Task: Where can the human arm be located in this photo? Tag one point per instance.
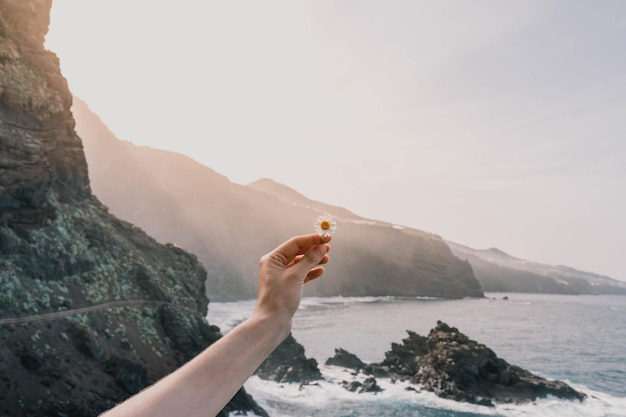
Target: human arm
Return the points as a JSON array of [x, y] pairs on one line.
[[204, 385]]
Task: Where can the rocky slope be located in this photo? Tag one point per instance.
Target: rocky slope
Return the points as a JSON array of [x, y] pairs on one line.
[[91, 308], [229, 226], [498, 271]]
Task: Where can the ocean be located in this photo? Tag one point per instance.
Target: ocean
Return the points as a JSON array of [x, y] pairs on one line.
[[580, 340]]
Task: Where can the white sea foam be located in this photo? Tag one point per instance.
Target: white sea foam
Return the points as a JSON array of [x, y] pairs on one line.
[[288, 400], [426, 298], [597, 404], [340, 300], [238, 414], [227, 315]]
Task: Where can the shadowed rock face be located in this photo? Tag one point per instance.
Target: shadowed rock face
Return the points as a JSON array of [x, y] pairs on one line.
[[498, 271], [345, 359], [39, 151], [455, 367], [288, 363], [61, 252]]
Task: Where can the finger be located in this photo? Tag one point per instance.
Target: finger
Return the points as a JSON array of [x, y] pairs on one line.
[[298, 245], [314, 274], [311, 259], [296, 260], [299, 257]]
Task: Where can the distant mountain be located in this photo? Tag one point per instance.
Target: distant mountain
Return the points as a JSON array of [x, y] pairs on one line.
[[498, 271], [229, 226]]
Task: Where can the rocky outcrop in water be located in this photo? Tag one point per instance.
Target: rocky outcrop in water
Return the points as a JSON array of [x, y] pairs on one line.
[[455, 367], [368, 385], [288, 363], [345, 359], [92, 309]]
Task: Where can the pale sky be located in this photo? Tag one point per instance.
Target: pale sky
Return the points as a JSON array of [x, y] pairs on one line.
[[491, 123]]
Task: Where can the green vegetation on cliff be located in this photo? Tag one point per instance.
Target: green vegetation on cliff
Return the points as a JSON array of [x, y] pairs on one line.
[[92, 309]]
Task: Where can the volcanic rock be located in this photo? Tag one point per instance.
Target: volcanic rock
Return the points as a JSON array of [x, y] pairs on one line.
[[92, 309], [288, 363], [345, 359], [368, 385], [455, 367]]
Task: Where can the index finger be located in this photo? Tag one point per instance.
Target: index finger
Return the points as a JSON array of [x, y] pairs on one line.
[[298, 245]]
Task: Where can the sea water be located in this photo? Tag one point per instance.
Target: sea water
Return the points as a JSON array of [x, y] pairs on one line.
[[577, 339]]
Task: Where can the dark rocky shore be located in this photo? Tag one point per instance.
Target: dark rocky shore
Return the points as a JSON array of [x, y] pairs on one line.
[[445, 362], [288, 363], [455, 367]]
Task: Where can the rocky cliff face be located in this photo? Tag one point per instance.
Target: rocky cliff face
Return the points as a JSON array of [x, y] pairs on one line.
[[499, 272], [39, 152], [229, 226], [92, 309]]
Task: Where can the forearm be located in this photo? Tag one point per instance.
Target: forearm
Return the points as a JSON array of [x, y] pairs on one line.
[[204, 385]]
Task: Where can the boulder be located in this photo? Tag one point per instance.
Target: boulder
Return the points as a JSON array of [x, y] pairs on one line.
[[455, 367], [288, 363], [346, 359], [368, 385]]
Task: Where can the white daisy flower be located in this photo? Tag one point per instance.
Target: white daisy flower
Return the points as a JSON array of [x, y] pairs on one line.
[[325, 225]]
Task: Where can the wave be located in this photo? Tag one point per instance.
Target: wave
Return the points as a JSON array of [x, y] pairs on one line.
[[328, 398], [313, 302], [228, 314], [309, 302], [597, 404], [341, 300]]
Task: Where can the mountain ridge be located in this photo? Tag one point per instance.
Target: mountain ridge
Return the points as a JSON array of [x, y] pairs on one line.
[[290, 195], [492, 272], [229, 226], [492, 254], [499, 271]]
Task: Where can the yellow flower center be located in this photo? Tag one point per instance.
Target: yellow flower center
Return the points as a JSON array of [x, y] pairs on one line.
[[325, 225]]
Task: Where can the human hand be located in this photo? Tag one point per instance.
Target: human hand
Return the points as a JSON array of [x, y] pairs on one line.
[[283, 273]]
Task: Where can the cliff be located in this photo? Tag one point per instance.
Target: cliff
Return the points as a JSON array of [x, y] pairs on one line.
[[498, 271], [228, 226], [92, 309]]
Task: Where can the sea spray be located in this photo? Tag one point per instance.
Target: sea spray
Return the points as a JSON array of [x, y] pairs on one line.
[[327, 398]]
